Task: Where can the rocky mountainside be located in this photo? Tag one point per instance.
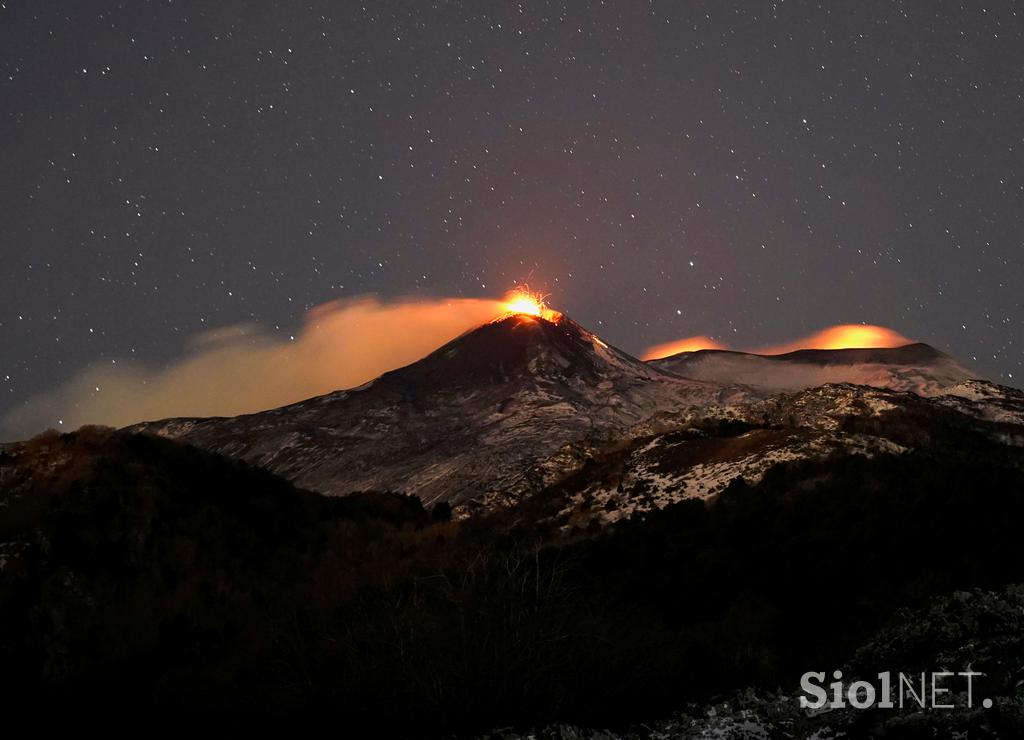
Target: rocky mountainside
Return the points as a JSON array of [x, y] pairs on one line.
[[699, 456], [524, 404], [198, 588], [641, 543], [506, 409]]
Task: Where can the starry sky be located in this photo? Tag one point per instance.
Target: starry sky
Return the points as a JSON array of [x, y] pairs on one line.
[[749, 171]]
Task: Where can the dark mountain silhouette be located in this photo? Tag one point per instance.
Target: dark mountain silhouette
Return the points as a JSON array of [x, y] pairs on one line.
[[150, 571], [196, 589]]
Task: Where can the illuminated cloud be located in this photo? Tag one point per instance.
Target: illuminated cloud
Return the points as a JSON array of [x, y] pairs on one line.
[[690, 344], [842, 336], [242, 369]]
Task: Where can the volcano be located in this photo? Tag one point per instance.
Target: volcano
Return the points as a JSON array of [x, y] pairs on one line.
[[569, 503], [505, 409], [918, 368], [524, 403]]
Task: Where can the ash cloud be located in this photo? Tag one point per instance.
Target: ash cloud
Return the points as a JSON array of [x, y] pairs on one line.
[[841, 336], [243, 368]]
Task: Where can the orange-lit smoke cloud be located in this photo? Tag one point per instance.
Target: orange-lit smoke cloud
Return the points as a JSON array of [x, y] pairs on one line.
[[690, 344], [843, 336], [241, 369]]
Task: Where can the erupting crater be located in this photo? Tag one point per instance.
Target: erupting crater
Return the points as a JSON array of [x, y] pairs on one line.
[[524, 302]]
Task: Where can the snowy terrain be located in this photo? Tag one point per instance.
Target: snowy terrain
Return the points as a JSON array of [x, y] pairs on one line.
[[915, 367], [522, 404]]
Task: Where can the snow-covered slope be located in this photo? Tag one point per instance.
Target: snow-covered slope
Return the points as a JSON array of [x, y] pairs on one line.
[[524, 405], [505, 409], [986, 400], [699, 455]]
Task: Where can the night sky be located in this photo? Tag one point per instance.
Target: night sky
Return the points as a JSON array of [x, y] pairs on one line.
[[749, 171]]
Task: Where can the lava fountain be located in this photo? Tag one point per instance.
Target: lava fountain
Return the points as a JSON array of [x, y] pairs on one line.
[[524, 302]]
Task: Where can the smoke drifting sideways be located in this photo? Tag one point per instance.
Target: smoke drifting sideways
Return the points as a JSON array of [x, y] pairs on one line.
[[243, 369]]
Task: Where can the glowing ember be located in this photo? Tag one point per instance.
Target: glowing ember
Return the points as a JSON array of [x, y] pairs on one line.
[[525, 302]]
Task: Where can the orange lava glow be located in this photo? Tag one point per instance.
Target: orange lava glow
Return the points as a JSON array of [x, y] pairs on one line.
[[523, 301], [690, 344], [843, 336]]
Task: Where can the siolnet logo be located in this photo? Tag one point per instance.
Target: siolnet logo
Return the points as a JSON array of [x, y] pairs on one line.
[[935, 690]]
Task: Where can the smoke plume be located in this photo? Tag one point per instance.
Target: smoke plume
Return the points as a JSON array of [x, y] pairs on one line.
[[690, 344], [242, 369]]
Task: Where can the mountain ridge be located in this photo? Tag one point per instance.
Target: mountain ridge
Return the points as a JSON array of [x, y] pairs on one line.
[[562, 491], [915, 367], [913, 351], [522, 402], [499, 411]]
